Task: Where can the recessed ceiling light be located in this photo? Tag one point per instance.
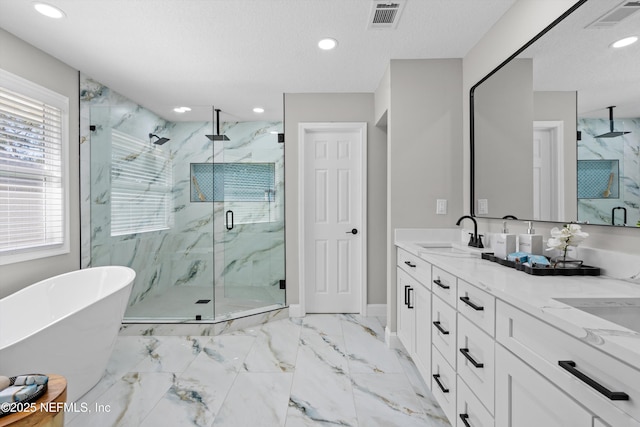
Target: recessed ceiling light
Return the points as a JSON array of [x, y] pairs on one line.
[[625, 42], [49, 10], [258, 110], [274, 132], [327, 44], [181, 109]]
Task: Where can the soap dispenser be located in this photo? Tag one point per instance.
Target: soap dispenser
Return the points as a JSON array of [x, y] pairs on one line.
[[531, 242], [504, 243]]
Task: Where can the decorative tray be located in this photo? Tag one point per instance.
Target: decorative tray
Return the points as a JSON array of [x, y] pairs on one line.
[[11, 407], [583, 270]]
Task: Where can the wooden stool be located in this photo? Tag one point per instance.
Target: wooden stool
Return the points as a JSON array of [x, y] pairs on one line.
[[54, 417]]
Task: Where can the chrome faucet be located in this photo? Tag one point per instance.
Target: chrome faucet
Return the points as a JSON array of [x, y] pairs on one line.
[[475, 241]]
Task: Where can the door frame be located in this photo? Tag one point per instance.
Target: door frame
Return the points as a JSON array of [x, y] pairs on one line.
[[305, 128]]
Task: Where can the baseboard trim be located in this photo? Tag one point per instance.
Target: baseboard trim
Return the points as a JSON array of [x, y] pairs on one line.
[[376, 310], [295, 310], [373, 310], [391, 339]]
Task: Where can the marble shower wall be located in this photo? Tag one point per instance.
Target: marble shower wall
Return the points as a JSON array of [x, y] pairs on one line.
[[625, 149], [251, 255]]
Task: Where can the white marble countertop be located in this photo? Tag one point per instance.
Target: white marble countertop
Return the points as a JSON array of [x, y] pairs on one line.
[[537, 295]]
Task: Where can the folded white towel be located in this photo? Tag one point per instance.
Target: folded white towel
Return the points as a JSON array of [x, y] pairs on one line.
[[31, 379], [17, 393], [41, 379], [24, 380]]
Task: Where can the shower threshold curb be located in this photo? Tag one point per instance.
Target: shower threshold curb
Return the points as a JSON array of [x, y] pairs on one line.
[[208, 327]]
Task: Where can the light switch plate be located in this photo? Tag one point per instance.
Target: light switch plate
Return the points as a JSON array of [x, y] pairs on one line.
[[483, 206], [441, 206]]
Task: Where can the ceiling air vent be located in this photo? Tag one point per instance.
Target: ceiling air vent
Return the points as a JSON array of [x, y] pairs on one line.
[[385, 14], [616, 15]]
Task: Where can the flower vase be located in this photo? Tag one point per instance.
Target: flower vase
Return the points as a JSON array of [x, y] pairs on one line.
[[563, 261]]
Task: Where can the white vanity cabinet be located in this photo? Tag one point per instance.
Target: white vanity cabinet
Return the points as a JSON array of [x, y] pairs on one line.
[[471, 412], [476, 366], [406, 323], [552, 364], [524, 398], [414, 308], [443, 384], [444, 331], [495, 360], [422, 355]]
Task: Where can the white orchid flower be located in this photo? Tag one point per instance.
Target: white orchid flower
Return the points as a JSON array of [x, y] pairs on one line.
[[569, 235]]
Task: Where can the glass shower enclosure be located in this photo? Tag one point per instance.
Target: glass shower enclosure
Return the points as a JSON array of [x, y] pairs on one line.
[[195, 208]]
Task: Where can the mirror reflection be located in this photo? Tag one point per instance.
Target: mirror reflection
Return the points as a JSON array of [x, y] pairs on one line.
[[556, 130]]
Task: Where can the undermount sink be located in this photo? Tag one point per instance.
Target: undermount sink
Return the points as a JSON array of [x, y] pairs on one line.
[[450, 249], [621, 311]]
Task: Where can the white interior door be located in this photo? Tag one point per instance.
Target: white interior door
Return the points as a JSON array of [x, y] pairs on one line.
[[548, 170], [333, 217], [542, 174]]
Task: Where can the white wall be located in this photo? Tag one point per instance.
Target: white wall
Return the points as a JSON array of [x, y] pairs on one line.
[[503, 126], [337, 107], [424, 152], [520, 24], [24, 60]]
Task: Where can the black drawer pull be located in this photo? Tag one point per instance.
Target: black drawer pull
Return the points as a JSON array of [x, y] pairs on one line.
[[409, 299], [436, 377], [470, 304], [442, 285], [440, 328], [406, 294], [465, 353], [570, 366], [409, 264], [464, 418]]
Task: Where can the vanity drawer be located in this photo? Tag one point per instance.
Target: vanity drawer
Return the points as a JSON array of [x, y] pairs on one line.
[[476, 364], [470, 408], [443, 384], [444, 285], [477, 306], [443, 332], [543, 346], [415, 266]]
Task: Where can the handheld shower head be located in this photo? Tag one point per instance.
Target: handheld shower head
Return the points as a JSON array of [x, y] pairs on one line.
[[159, 141]]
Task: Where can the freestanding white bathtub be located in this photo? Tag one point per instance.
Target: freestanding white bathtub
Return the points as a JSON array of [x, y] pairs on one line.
[[65, 325]]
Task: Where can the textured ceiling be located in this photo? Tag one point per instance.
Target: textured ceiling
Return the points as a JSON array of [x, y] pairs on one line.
[[238, 54], [571, 57]]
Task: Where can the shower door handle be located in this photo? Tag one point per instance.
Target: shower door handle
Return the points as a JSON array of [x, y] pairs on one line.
[[228, 225]]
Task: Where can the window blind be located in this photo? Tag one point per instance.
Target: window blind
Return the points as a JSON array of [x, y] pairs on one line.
[[140, 186], [32, 205]]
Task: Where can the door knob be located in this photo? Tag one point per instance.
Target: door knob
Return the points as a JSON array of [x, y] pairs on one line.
[[354, 231]]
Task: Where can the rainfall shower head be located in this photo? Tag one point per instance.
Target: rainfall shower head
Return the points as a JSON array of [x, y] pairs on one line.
[[612, 133], [159, 141], [218, 137]]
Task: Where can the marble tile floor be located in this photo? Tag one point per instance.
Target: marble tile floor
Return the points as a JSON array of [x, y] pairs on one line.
[[320, 370]]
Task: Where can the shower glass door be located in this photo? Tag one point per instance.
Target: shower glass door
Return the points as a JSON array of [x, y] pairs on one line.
[[143, 213], [249, 244], [200, 219]]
